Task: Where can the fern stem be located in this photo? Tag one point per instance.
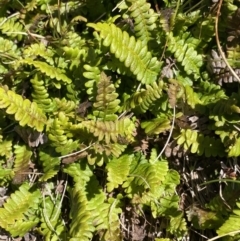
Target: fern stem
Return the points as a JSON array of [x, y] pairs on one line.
[[218, 42], [77, 152], [60, 204], [11, 16], [223, 235], [170, 134]]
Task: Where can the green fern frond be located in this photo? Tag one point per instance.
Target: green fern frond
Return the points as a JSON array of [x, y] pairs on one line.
[[26, 112], [191, 97], [178, 225], [11, 27], [6, 148], [133, 53], [144, 19], [52, 226], [113, 231], [200, 144], [143, 100], [93, 74], [39, 49], [66, 106], [80, 172], [81, 227], [51, 71], [8, 50], [40, 94], [117, 171], [145, 176], [50, 165], [185, 54], [156, 126], [22, 158], [111, 130], [212, 93], [106, 103], [58, 135], [17, 210]]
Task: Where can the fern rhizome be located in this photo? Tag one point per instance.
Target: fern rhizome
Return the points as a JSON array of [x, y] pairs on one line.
[[119, 120]]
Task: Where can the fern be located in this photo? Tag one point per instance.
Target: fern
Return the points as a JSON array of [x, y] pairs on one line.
[[144, 99], [144, 19], [50, 165], [81, 227], [117, 171], [17, 216], [111, 130], [52, 226], [200, 144], [93, 74], [156, 126], [58, 136], [106, 103], [26, 113], [52, 72], [133, 53], [185, 54], [35, 50], [66, 106], [40, 94], [11, 27], [6, 148], [22, 159]]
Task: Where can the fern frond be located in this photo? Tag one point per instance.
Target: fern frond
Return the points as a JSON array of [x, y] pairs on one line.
[[106, 103], [40, 94], [52, 226], [22, 158], [81, 227], [144, 19], [17, 210], [185, 54], [6, 148], [66, 106], [93, 74], [191, 97], [142, 101], [11, 27], [145, 176], [111, 130], [113, 231], [200, 144], [8, 49], [133, 53], [156, 126], [51, 71], [50, 165], [26, 112], [39, 49], [57, 134], [117, 171]]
